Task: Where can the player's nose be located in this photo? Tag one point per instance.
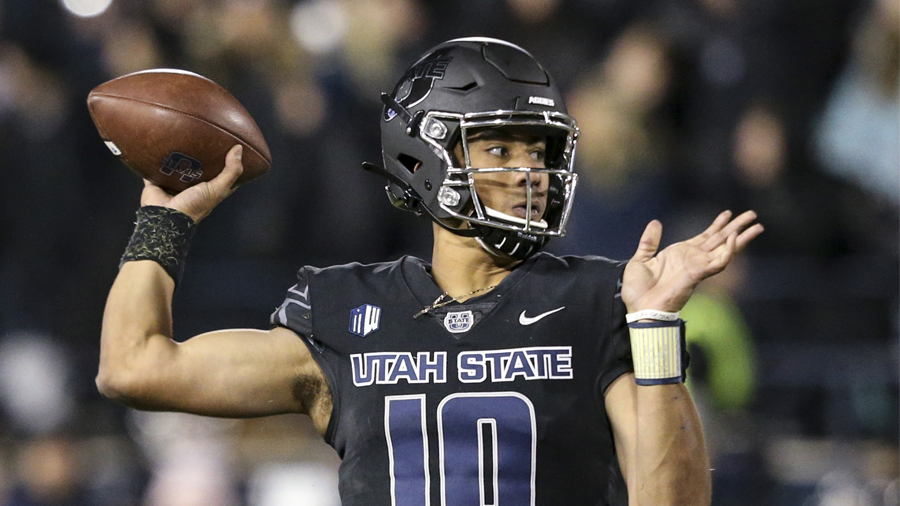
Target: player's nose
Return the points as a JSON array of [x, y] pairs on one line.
[[537, 179]]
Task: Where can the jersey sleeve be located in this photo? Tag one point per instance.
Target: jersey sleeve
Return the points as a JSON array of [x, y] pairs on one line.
[[295, 312], [616, 352]]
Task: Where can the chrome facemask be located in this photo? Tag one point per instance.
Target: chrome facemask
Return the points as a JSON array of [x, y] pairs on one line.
[[457, 195]]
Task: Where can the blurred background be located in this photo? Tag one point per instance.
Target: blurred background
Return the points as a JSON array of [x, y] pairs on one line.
[[687, 107]]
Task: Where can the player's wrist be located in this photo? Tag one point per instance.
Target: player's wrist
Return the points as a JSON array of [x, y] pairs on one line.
[[195, 215], [163, 209], [659, 304], [668, 298], [649, 315], [659, 351], [163, 235]]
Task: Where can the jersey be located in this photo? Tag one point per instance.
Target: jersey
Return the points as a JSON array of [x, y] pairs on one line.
[[497, 400]]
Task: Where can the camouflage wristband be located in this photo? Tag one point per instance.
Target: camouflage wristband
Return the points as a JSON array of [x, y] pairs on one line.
[[162, 235]]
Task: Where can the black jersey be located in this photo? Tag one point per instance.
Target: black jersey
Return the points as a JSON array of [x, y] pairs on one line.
[[498, 400]]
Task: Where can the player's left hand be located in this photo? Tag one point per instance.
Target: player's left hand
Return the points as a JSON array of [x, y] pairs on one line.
[[666, 281]]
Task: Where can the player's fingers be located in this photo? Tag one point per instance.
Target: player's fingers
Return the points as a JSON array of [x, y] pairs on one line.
[[748, 235], [222, 183], [649, 242], [151, 184], [734, 226], [713, 228], [153, 195], [730, 249], [739, 223], [723, 256]]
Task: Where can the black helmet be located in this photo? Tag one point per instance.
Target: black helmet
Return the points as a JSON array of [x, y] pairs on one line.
[[467, 84]]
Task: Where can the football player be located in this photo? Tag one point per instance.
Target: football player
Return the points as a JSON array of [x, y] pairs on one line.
[[493, 374]]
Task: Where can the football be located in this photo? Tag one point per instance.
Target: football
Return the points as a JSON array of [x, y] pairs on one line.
[[175, 127]]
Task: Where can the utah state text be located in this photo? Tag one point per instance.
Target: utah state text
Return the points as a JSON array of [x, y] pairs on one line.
[[389, 368]]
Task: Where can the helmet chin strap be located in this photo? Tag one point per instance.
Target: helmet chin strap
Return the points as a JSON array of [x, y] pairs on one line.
[[509, 244]]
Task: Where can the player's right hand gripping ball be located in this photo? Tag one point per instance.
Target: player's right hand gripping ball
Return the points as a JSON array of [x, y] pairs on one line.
[[175, 127]]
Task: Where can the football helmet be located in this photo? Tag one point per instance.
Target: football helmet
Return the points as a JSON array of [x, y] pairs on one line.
[[455, 89]]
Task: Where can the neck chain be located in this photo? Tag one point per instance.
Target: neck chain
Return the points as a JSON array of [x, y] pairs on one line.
[[440, 302]]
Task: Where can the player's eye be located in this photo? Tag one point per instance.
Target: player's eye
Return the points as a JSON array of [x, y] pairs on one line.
[[500, 151], [538, 155]]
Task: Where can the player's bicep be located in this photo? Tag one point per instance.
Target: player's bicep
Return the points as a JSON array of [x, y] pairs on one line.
[[620, 400], [234, 373]]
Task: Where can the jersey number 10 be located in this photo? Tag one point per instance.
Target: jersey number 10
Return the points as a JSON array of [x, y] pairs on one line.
[[487, 443]]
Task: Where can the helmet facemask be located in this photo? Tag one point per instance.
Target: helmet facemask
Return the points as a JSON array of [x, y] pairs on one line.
[[500, 233]]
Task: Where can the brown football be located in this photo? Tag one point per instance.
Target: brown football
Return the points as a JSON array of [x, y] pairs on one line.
[[175, 127]]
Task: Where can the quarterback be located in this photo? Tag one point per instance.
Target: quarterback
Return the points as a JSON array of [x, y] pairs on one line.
[[495, 374]]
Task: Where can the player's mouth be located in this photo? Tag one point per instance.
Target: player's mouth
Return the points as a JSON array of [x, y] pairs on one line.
[[537, 209]]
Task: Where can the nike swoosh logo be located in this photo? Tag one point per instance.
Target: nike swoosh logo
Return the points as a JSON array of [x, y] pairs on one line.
[[524, 320]]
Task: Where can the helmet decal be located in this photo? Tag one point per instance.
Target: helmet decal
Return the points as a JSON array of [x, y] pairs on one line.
[[417, 82], [549, 102]]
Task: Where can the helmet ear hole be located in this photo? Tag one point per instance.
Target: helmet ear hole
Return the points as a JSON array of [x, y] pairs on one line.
[[409, 163], [556, 149]]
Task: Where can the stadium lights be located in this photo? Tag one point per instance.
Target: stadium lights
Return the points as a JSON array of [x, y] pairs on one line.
[[86, 8]]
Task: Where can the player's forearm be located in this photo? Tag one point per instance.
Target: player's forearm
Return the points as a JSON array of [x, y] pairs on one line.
[[137, 325], [672, 465]]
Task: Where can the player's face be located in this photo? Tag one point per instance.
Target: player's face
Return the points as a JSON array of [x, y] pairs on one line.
[[507, 191]]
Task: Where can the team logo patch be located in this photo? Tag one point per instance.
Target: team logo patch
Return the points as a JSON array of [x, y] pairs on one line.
[[416, 84], [190, 168], [459, 321], [365, 319]]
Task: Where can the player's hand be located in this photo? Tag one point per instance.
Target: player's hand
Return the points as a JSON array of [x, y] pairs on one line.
[[199, 200], [667, 280]]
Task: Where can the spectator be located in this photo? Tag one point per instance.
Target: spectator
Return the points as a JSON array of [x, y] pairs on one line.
[[858, 138]]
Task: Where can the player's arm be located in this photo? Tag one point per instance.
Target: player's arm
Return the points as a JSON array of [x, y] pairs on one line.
[[659, 443], [234, 373], [657, 432]]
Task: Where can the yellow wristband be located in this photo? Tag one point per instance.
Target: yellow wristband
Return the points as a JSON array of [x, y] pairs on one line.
[[657, 350]]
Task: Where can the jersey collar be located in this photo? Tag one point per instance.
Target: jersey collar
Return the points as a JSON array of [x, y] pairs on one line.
[[417, 275]]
